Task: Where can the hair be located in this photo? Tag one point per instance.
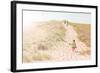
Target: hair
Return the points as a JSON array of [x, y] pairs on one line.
[[74, 40]]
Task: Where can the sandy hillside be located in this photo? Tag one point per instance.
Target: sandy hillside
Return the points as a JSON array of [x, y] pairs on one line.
[[52, 41]]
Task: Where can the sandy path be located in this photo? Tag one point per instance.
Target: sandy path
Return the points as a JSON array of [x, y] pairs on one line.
[[65, 52], [71, 35]]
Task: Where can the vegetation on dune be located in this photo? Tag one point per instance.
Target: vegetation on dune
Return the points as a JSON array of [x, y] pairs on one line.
[[55, 33], [36, 56], [50, 35], [39, 56], [84, 32]]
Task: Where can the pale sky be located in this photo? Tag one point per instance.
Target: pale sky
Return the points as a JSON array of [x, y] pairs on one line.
[[32, 16]]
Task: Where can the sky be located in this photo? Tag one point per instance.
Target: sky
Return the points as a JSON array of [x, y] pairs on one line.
[[34, 16]]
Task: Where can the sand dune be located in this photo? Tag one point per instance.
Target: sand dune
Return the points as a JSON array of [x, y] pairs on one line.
[[51, 41]]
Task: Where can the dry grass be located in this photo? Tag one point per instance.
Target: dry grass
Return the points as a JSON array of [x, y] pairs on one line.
[[84, 32]]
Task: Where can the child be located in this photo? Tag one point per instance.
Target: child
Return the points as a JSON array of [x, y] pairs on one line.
[[74, 45], [65, 22]]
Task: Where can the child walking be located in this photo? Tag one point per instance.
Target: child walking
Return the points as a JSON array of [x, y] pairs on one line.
[[74, 45]]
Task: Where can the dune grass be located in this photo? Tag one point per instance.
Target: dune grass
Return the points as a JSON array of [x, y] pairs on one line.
[[84, 32]]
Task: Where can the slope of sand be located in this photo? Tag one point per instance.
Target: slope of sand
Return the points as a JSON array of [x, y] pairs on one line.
[[51, 41]]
